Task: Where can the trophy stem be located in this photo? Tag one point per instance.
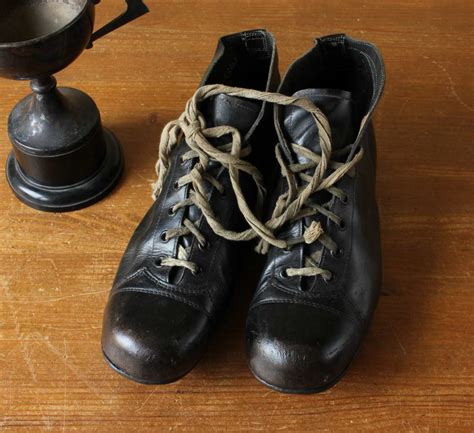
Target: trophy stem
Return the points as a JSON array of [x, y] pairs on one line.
[[43, 85]]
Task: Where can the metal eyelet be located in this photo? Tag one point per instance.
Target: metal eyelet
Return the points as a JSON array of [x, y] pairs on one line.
[[329, 278], [176, 186], [204, 247], [283, 274], [171, 212], [342, 225], [338, 253], [345, 200], [163, 236], [198, 271], [157, 261]]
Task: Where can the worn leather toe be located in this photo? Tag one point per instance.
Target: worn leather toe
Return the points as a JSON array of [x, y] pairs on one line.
[[151, 338], [299, 348]]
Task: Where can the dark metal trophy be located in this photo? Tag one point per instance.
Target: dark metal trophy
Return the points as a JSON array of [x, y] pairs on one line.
[[62, 159]]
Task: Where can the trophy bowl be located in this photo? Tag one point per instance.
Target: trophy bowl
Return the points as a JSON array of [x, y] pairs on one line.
[[62, 158]]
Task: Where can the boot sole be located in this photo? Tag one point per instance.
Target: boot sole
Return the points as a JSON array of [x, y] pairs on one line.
[[141, 380]]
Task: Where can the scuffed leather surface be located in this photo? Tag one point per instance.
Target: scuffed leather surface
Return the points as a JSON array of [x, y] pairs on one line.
[[171, 343]]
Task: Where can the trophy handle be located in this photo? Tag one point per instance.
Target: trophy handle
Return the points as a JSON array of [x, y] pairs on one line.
[[135, 9]]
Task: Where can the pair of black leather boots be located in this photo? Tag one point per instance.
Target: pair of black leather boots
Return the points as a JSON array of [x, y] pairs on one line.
[[318, 225]]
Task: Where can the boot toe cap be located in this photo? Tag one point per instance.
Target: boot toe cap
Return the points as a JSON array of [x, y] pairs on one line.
[[151, 338], [298, 348]]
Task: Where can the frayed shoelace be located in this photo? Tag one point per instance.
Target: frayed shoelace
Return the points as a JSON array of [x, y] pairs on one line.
[[292, 205]]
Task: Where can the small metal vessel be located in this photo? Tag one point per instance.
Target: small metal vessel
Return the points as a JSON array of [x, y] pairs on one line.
[[62, 158]]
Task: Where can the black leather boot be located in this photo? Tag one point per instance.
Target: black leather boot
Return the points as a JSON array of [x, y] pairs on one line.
[[316, 298], [176, 273]]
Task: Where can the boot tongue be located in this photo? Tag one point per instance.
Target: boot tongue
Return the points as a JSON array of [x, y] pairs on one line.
[[222, 110], [300, 128], [225, 110], [337, 106]]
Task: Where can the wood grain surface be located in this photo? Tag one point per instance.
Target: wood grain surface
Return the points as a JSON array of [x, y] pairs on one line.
[[415, 372]]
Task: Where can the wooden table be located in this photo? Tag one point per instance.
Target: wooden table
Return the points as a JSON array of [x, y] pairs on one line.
[[416, 370]]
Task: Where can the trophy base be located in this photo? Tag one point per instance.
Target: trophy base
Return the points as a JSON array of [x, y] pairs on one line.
[[69, 197]]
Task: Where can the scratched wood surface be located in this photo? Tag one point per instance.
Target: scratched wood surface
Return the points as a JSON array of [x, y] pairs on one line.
[[416, 369]]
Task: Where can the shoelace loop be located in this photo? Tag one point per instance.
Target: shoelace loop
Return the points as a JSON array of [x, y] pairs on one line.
[[191, 126], [296, 204]]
